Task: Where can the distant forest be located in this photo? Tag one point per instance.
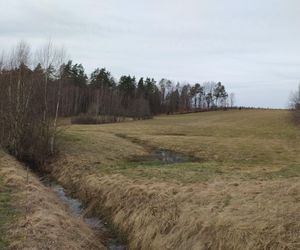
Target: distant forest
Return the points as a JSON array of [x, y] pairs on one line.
[[38, 88], [102, 94]]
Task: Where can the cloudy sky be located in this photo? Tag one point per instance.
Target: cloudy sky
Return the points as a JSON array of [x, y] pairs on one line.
[[253, 47]]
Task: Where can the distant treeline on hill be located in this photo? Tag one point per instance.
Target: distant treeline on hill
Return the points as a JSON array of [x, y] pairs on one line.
[[101, 94]]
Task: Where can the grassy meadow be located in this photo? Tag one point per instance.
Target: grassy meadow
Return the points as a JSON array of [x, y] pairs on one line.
[[240, 191], [259, 144]]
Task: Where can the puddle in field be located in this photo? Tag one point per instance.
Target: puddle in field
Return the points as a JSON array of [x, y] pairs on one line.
[[169, 157], [163, 156], [76, 207]]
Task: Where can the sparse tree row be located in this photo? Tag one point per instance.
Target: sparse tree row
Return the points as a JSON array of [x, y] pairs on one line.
[[38, 88], [29, 102]]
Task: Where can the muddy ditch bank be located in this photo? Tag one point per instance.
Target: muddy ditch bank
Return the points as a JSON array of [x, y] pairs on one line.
[[101, 228], [83, 207], [41, 221]]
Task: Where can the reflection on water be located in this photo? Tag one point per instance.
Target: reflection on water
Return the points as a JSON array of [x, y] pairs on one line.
[[163, 156], [167, 156]]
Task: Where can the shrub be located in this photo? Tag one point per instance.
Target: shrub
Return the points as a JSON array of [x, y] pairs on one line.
[[92, 119]]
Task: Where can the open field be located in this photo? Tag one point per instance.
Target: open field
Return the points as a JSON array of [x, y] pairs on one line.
[[241, 192], [244, 144]]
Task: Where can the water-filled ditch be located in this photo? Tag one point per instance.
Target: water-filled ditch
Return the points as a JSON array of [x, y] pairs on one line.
[[100, 227]]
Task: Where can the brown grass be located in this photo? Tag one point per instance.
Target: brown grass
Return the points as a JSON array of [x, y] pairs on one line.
[[42, 222], [243, 194], [251, 144], [216, 215]]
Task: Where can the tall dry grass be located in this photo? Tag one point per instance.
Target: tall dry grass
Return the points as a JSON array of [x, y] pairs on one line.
[[217, 215]]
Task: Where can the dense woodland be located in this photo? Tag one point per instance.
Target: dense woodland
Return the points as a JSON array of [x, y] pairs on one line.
[[38, 88]]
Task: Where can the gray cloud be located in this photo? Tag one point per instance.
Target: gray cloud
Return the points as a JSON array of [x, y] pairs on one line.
[[251, 46]]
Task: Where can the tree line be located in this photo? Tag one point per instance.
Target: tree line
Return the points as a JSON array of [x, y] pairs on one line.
[[36, 88], [102, 94]]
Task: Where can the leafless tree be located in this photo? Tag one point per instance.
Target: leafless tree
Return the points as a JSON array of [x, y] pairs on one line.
[[27, 117], [232, 99], [295, 105]]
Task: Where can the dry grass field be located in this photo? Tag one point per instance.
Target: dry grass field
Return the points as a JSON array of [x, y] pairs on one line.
[[240, 190], [252, 144]]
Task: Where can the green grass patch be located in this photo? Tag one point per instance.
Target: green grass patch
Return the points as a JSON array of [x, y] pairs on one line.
[[287, 172], [188, 172], [7, 214]]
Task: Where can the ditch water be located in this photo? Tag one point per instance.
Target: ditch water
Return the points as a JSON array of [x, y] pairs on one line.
[[100, 227]]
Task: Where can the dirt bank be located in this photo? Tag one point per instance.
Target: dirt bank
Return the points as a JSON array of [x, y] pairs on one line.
[[42, 222]]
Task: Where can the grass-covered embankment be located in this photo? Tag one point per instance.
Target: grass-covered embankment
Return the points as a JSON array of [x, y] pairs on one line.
[[242, 193], [31, 216]]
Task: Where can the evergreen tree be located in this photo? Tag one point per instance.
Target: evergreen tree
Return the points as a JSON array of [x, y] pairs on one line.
[[101, 78], [141, 87]]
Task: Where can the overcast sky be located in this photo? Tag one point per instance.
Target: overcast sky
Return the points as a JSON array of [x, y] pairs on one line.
[[252, 46]]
